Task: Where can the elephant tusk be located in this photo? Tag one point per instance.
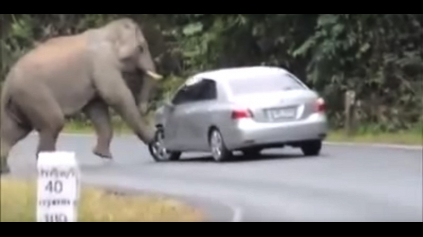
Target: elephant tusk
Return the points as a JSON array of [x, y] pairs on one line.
[[154, 75]]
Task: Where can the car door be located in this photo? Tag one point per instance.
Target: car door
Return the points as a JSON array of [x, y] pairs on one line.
[[198, 114], [184, 113], [181, 109], [173, 113]]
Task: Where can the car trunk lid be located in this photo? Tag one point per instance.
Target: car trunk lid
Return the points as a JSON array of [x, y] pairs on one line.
[[280, 106]]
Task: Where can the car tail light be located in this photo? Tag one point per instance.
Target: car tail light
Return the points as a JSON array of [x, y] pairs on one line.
[[241, 113], [320, 105]]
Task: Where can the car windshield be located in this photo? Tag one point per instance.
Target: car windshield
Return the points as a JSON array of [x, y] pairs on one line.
[[265, 84]]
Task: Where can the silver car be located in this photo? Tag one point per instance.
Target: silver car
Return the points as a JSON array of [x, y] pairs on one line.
[[240, 109]]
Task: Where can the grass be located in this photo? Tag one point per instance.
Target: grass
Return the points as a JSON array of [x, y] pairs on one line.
[[402, 138], [411, 137], [18, 204]]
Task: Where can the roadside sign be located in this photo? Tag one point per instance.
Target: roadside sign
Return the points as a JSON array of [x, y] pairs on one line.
[[58, 187]]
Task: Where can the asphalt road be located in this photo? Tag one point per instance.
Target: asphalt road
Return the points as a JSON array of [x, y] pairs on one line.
[[345, 183]]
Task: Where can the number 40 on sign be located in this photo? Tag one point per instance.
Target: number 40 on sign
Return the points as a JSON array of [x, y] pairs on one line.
[[54, 186]]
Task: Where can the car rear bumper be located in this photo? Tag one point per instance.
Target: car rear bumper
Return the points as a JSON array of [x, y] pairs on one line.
[[248, 133]]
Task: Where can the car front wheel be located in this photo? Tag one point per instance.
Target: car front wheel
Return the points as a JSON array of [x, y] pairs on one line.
[[159, 152]]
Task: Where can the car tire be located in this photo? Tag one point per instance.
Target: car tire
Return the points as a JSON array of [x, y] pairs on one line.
[[218, 148], [156, 146], [311, 148]]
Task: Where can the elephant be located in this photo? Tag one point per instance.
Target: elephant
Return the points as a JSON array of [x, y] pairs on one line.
[[83, 72], [97, 110]]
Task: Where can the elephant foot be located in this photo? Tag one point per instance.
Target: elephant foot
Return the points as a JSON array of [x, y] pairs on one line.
[[150, 137], [105, 154]]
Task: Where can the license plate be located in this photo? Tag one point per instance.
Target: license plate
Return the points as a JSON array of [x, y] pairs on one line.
[[282, 113]]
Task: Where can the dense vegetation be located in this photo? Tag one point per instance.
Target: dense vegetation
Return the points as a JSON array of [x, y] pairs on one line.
[[380, 56]]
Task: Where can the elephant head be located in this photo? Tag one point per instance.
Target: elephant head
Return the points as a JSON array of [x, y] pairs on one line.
[[134, 57]]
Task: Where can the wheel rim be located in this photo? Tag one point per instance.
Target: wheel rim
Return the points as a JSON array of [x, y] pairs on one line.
[[216, 145], [158, 148]]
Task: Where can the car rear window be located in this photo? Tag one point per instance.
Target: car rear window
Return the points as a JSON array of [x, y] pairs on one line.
[[264, 84]]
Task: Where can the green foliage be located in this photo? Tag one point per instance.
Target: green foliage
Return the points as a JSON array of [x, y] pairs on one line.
[[380, 56]]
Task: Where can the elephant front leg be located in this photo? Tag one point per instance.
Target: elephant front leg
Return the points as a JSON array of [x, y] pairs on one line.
[[113, 90], [97, 111]]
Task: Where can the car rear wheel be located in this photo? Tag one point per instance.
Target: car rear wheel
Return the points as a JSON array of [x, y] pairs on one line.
[[217, 146], [159, 152], [311, 148]]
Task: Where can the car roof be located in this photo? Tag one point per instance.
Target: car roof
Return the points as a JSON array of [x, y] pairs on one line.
[[240, 72]]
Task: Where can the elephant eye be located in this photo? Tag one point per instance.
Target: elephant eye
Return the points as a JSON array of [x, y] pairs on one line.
[[141, 49]]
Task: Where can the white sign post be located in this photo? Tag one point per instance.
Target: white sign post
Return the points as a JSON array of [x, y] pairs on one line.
[[58, 187]]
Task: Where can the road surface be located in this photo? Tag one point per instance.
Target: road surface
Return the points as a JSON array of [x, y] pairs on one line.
[[345, 183]]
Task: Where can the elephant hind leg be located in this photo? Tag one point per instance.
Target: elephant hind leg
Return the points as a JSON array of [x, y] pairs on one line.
[[11, 132], [45, 115]]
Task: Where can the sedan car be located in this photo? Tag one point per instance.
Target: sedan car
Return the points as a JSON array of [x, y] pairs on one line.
[[240, 109]]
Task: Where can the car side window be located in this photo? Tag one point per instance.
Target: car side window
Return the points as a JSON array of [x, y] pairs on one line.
[[180, 97], [194, 92], [185, 95], [203, 90], [207, 90]]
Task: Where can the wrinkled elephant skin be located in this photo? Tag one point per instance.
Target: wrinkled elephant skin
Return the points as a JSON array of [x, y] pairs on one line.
[[70, 74]]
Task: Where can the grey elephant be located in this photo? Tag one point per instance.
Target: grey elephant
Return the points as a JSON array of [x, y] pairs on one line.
[[70, 74]]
